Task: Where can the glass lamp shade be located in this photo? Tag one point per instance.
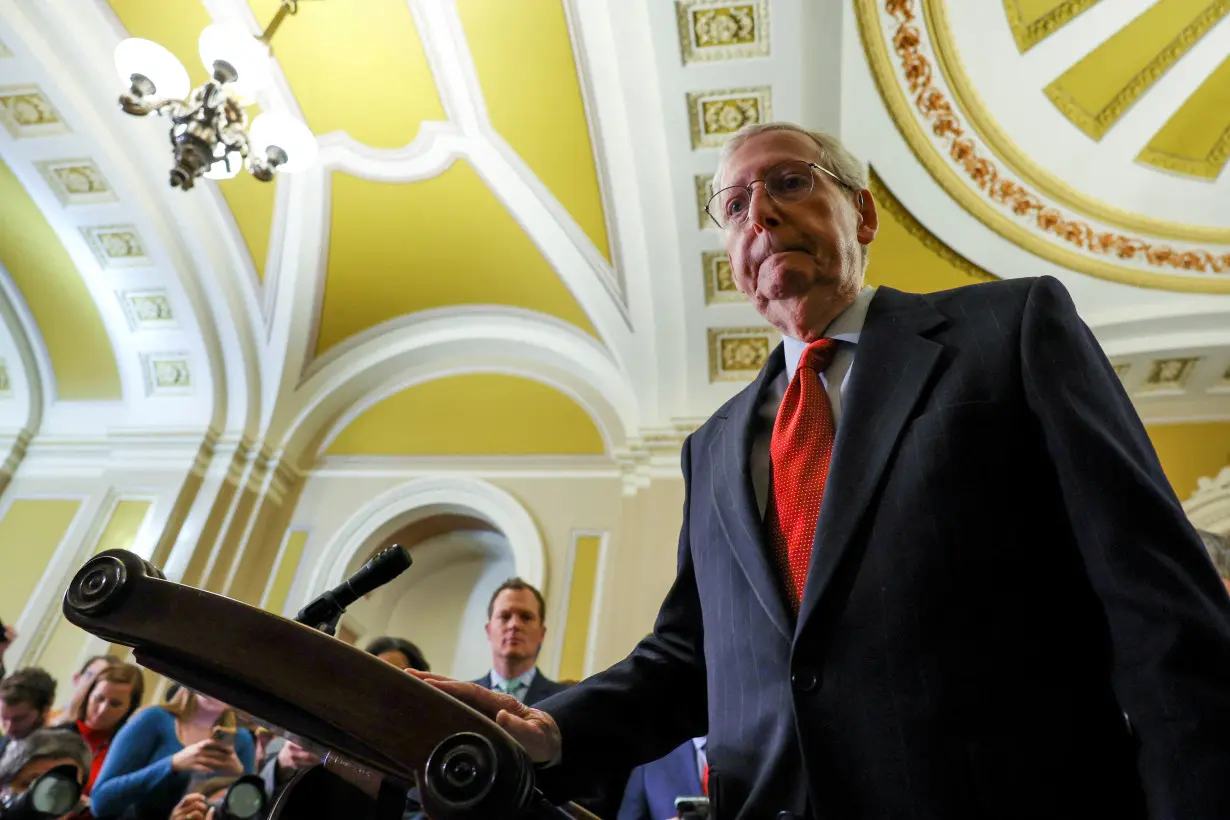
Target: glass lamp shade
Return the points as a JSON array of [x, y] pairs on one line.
[[247, 55], [287, 133], [145, 57]]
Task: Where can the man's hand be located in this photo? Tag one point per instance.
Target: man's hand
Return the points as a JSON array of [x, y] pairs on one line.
[[534, 729], [192, 807], [293, 757]]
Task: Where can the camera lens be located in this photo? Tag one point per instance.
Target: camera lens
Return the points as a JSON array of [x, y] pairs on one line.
[[54, 793], [243, 801]]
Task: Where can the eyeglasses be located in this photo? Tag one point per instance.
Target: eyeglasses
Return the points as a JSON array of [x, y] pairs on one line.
[[791, 181]]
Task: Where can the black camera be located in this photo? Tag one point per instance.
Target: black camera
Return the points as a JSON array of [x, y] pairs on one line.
[[54, 793], [244, 800], [692, 808]]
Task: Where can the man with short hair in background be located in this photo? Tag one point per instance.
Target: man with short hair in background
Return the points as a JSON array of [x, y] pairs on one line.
[[39, 752], [516, 628], [25, 699]]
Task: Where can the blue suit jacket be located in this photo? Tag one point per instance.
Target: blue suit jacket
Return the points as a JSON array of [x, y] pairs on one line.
[[541, 687], [653, 787], [1000, 571]]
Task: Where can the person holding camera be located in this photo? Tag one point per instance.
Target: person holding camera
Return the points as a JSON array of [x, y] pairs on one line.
[[35, 756]]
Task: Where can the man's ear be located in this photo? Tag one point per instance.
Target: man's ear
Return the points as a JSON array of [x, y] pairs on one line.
[[868, 216]]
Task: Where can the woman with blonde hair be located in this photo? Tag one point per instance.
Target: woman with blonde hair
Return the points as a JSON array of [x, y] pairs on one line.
[[155, 756], [98, 711]]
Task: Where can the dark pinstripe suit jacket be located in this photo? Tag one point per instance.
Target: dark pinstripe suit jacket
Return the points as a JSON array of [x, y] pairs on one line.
[[1000, 572]]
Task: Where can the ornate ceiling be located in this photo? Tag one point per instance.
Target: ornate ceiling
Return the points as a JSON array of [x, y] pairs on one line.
[[510, 194]]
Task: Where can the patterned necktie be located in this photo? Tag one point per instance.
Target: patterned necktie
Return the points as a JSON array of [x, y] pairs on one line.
[[800, 450], [512, 687]]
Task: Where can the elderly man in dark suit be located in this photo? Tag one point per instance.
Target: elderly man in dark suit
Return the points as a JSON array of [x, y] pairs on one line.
[[929, 561]]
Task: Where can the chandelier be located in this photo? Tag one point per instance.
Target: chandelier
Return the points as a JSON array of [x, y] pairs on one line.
[[210, 133]]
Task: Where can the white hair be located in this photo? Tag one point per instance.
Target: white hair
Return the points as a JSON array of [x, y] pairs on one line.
[[834, 157]]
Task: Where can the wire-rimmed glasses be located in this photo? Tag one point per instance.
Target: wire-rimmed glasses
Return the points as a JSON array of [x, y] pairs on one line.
[[790, 181]]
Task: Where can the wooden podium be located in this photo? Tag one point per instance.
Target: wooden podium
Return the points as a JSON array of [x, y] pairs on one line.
[[379, 730]]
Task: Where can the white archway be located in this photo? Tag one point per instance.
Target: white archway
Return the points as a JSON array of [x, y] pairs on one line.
[[423, 498]]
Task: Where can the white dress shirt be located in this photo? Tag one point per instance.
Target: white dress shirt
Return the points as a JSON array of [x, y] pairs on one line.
[[846, 328]]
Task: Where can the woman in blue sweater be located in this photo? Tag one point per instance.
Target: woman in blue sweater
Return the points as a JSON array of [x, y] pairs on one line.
[[153, 759]]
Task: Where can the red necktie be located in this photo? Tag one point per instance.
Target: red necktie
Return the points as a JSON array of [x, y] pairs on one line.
[[800, 450], [704, 780]]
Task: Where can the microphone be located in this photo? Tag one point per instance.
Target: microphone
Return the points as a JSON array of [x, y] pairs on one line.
[[324, 612]]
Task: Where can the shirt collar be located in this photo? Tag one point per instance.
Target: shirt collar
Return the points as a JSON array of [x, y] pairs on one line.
[[846, 327], [526, 678]]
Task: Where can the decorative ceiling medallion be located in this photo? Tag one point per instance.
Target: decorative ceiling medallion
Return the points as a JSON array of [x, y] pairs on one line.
[[6, 384], [919, 101], [1169, 376], [26, 112], [1121, 370], [704, 191], [1033, 24], [937, 38], [166, 374], [738, 353], [76, 181], [719, 283], [711, 30], [716, 115], [116, 246], [148, 310]]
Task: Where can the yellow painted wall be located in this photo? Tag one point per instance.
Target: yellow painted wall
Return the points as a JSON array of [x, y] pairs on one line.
[[72, 329], [285, 572], [30, 532], [61, 654], [907, 257], [177, 25], [1191, 451], [395, 249], [473, 414], [523, 56], [582, 586]]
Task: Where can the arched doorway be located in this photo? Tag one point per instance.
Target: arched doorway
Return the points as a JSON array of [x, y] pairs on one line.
[[440, 603]]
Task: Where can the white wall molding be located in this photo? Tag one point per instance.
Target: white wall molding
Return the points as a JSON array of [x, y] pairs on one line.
[[1209, 507], [418, 499]]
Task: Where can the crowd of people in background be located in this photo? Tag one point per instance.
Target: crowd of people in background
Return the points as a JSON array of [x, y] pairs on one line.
[[173, 759]]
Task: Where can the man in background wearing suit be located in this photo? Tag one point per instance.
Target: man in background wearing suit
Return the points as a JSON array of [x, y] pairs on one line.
[[654, 787], [929, 560], [516, 627]]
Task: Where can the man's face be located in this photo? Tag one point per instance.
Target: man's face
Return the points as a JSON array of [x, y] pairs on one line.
[[800, 263], [515, 630], [19, 719]]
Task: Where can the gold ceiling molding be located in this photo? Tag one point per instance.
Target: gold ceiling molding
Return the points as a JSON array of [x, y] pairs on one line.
[[738, 353], [722, 30], [148, 309], [166, 374], [716, 115], [1170, 375], [76, 181], [1095, 92], [999, 202], [885, 199], [719, 280], [1196, 140], [1032, 21], [26, 112], [116, 246], [988, 130], [703, 185]]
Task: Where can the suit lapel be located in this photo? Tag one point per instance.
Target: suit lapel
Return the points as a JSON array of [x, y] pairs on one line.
[[685, 774], [734, 497], [891, 369]]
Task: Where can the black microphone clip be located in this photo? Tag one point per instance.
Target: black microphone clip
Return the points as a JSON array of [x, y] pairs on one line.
[[326, 610]]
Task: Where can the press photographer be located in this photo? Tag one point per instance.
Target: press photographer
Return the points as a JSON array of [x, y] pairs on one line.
[[33, 781]]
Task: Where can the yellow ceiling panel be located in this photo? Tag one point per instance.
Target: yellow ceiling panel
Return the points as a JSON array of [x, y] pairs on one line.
[[1191, 451], [357, 67], [76, 339], [523, 54], [395, 249], [906, 256], [1196, 140], [1032, 21], [177, 26], [472, 414]]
